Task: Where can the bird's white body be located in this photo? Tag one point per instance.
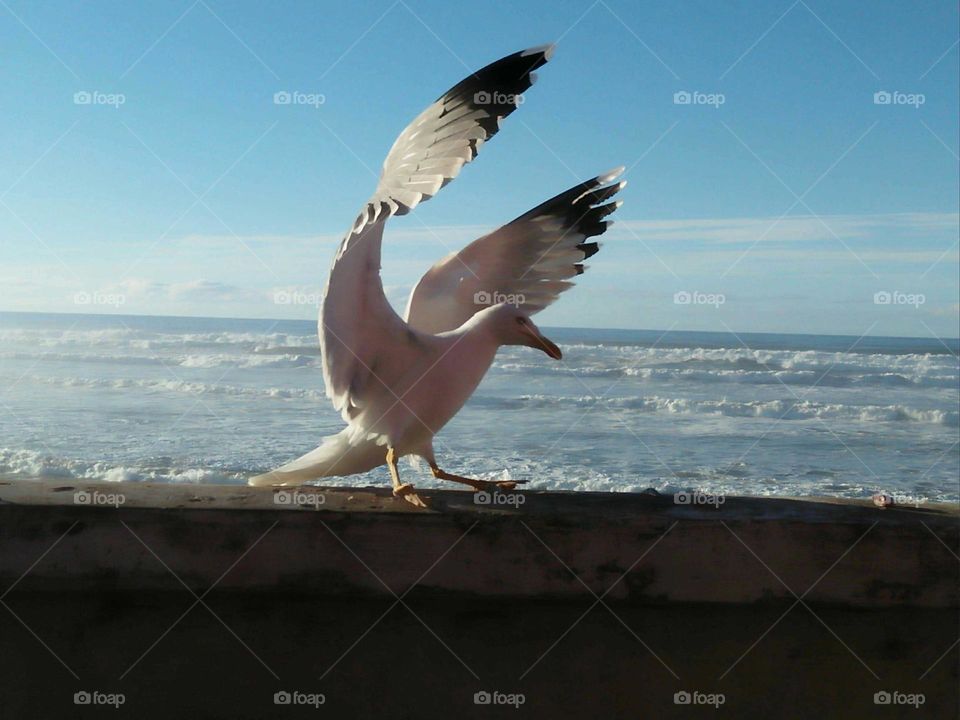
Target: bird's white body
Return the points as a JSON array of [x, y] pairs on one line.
[[397, 381], [415, 404]]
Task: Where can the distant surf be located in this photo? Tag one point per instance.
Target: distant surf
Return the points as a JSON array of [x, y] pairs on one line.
[[214, 400]]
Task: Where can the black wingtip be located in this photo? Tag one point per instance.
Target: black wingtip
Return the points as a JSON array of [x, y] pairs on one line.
[[589, 249], [508, 76], [545, 50], [497, 89]]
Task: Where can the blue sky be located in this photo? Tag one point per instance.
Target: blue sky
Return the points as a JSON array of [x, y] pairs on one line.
[[182, 188]]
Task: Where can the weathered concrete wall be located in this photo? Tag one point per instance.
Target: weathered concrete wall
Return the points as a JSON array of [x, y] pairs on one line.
[[371, 661], [365, 542], [205, 601]]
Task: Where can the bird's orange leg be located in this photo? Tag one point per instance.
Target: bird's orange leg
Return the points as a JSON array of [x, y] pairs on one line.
[[404, 490], [487, 485]]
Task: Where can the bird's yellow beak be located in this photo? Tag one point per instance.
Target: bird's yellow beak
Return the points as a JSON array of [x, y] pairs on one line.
[[539, 342]]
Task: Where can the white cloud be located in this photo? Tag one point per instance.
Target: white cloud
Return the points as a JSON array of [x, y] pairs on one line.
[[946, 310], [797, 268], [792, 228], [206, 290]]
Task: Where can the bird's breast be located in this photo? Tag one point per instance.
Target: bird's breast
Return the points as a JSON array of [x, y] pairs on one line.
[[446, 387]]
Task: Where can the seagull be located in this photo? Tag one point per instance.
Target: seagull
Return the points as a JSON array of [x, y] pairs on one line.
[[397, 381]]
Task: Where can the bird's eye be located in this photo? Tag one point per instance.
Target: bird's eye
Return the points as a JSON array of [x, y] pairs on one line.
[[521, 321]]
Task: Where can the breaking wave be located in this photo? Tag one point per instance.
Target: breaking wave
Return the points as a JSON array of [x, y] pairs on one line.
[[776, 409], [34, 465], [180, 386]]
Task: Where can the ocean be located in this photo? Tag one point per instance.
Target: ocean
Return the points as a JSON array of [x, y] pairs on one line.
[[209, 400]]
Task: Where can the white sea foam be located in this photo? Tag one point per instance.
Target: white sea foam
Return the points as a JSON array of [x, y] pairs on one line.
[[248, 361], [30, 464], [749, 367], [204, 360], [115, 404], [178, 386], [777, 409], [129, 338]]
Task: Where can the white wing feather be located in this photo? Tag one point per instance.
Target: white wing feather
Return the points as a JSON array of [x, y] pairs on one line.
[[530, 260], [364, 344]]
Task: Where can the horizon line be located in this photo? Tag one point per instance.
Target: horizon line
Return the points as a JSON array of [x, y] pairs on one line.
[[955, 340]]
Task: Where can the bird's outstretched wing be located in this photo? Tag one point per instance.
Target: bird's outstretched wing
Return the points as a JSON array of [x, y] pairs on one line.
[[449, 134], [363, 342], [528, 261]]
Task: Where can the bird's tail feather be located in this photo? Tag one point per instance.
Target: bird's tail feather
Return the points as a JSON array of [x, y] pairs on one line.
[[335, 456]]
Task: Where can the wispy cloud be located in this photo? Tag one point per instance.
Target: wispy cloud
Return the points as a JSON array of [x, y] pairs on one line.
[[798, 264], [793, 228]]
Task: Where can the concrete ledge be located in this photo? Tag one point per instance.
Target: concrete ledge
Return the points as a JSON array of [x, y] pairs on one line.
[[206, 601], [363, 542]]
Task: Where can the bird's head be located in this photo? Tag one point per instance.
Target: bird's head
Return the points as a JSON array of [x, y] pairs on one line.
[[511, 326]]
